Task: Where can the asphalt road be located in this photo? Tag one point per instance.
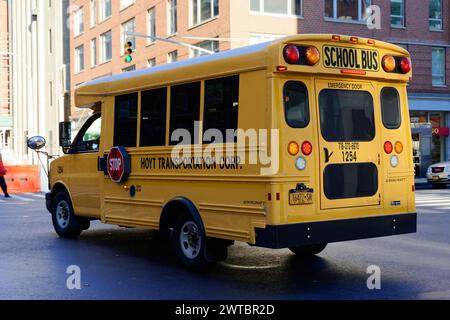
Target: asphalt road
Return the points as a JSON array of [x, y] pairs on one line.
[[120, 263]]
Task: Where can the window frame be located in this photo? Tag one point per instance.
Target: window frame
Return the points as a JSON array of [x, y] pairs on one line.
[[124, 4], [135, 144], [103, 7], [102, 47], [443, 74], [308, 111], [166, 114], [289, 13], [81, 134], [398, 107], [335, 17], [94, 51], [402, 17], [151, 24], [199, 21], [441, 20], [94, 13], [125, 38], [78, 22], [172, 17], [79, 59]]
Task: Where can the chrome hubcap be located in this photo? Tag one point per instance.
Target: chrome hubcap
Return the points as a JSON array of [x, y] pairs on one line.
[[63, 214], [190, 240]]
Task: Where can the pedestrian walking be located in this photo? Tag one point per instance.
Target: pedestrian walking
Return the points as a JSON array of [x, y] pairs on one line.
[[2, 178]]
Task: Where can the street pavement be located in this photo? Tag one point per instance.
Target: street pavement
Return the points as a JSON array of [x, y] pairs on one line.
[[118, 263]]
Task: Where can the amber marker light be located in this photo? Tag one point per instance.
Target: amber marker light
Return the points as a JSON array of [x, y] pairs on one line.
[[354, 40], [293, 148], [336, 38], [398, 147], [371, 42], [389, 63], [312, 56]]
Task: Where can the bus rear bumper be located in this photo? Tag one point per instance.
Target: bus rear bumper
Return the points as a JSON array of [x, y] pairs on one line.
[[295, 235]]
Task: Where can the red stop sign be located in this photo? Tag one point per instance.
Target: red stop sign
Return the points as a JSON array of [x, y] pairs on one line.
[[118, 164]]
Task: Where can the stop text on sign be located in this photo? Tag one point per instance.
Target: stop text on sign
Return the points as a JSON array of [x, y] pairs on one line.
[[118, 164]]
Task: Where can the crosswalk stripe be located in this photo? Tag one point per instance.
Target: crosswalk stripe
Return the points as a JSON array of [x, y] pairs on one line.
[[433, 201], [22, 198], [37, 195]]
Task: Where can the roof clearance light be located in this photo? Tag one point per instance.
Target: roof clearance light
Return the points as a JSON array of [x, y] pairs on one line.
[[398, 147], [389, 63], [307, 148], [354, 40], [312, 56], [388, 147], [371, 42], [336, 38], [291, 54], [405, 65], [293, 148]]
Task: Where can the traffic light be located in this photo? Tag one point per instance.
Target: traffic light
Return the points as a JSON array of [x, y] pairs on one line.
[[129, 52]]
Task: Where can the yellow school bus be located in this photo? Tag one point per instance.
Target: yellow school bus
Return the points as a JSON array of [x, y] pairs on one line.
[[294, 143]]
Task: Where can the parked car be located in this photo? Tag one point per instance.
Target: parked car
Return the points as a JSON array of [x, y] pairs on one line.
[[438, 174]]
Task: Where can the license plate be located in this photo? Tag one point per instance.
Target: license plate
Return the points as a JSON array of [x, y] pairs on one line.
[[435, 178], [300, 197]]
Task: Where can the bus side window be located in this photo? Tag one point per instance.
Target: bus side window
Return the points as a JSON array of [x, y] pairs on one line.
[[221, 106], [153, 117], [296, 105], [390, 108], [125, 120], [184, 110], [88, 139]]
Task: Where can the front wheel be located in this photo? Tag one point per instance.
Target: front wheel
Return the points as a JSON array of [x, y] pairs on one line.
[[66, 223], [308, 251]]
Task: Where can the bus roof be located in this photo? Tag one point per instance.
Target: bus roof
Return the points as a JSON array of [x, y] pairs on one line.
[[252, 57]]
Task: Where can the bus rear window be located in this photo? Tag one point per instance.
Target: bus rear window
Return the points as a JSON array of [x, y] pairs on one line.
[[346, 116], [355, 180], [390, 108], [296, 107]]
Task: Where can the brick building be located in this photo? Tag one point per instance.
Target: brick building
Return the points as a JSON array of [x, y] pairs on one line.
[[423, 27]]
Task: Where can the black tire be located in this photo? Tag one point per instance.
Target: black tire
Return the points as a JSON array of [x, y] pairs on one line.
[[193, 248], [308, 251], [67, 225]]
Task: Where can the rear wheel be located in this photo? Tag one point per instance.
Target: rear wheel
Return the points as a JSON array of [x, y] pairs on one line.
[[66, 224], [309, 250], [193, 248]]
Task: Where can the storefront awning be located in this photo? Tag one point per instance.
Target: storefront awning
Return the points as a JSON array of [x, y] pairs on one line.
[[429, 102]]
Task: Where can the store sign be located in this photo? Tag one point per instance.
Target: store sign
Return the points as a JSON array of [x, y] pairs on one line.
[[442, 132]]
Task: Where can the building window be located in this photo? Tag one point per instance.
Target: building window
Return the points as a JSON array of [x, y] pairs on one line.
[[172, 56], [93, 13], [126, 3], [105, 9], [202, 10], [184, 110], [128, 29], [438, 66], [151, 25], [125, 120], [78, 22], [283, 7], [172, 17], [106, 46], [435, 15], [79, 59], [153, 117], [128, 69], [347, 10], [221, 106], [152, 62], [93, 52], [398, 13], [212, 46]]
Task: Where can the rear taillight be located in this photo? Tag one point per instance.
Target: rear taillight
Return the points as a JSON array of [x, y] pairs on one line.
[[307, 148], [389, 63], [312, 56], [388, 147], [405, 65], [398, 147], [291, 54], [293, 148]]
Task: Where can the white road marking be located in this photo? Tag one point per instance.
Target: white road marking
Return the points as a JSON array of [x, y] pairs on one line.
[[16, 197], [37, 195]]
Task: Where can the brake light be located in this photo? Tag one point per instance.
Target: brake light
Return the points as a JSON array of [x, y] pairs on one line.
[[291, 54], [389, 63], [293, 148], [312, 56], [398, 147], [405, 65], [307, 148], [388, 147]]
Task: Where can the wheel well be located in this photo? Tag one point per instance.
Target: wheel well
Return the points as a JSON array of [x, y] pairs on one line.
[[57, 188], [173, 209]]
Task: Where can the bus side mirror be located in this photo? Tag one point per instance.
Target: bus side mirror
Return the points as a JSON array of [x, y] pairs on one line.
[[65, 135], [36, 143]]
